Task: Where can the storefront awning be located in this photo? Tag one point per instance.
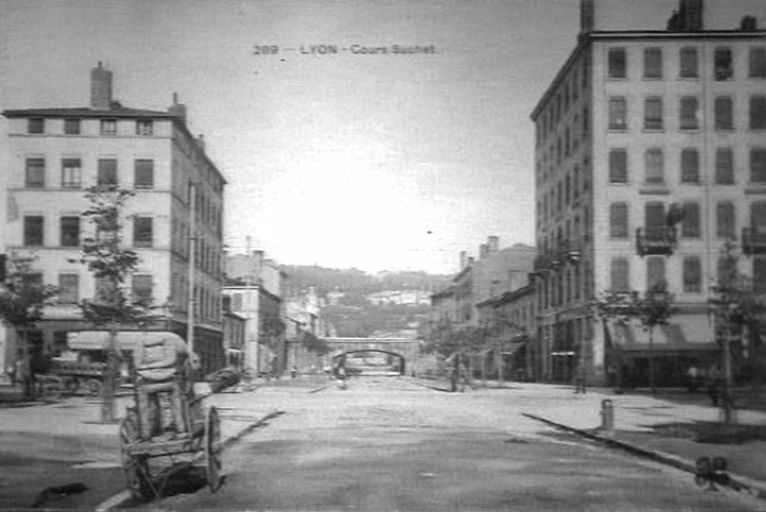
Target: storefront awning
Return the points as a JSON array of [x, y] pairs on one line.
[[684, 333], [97, 340]]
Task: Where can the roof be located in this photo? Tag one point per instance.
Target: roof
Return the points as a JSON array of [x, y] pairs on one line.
[[87, 112]]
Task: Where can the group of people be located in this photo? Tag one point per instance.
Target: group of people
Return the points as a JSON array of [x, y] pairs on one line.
[[25, 371]]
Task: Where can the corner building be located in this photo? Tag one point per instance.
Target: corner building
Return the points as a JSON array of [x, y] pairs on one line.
[[650, 155], [56, 153]]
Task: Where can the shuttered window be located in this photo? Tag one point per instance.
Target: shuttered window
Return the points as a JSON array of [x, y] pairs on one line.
[[690, 165], [725, 220], [690, 225], [618, 165], [654, 220], [692, 274], [654, 166], [618, 220], [655, 272], [620, 275], [724, 166]]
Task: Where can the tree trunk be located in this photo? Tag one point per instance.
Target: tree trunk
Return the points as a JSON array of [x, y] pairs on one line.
[[111, 376]]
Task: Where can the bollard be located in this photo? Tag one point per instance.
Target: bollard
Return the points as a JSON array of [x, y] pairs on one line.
[[607, 416]]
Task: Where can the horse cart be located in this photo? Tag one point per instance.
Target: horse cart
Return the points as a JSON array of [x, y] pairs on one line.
[[167, 426], [79, 377]]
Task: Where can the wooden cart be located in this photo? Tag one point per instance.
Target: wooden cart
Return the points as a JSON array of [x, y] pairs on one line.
[[199, 438]]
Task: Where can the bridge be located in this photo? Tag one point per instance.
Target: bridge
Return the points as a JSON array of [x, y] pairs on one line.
[[406, 349]]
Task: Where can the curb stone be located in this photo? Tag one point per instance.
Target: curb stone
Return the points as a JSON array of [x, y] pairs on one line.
[[738, 483]]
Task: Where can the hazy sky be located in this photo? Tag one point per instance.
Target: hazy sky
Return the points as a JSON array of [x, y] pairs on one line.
[[372, 161]]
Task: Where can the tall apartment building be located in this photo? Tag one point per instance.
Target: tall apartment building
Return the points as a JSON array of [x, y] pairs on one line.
[[55, 153], [650, 155]]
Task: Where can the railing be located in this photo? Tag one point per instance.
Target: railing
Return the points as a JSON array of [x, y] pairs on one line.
[[663, 241], [753, 242]]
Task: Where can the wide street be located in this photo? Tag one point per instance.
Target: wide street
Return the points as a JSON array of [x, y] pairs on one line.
[[388, 443]]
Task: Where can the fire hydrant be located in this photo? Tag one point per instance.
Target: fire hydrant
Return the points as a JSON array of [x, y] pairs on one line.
[[607, 416]]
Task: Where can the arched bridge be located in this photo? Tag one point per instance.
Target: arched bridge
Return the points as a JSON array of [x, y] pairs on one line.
[[405, 349]]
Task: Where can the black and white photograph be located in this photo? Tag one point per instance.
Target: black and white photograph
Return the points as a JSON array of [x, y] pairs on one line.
[[383, 255]]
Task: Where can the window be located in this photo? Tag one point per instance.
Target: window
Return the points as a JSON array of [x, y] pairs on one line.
[[108, 127], [653, 113], [618, 65], [758, 219], [654, 221], [654, 167], [757, 62], [144, 173], [618, 165], [692, 274], [725, 226], [618, 220], [689, 109], [36, 125], [724, 119], [142, 287], [758, 112], [71, 173], [33, 230], [143, 233], [690, 166], [617, 113], [758, 165], [107, 172], [72, 126], [620, 275], [70, 231], [652, 62], [655, 272], [69, 288], [690, 225], [688, 66], [144, 127], [722, 66], [724, 166], [35, 173], [759, 275]]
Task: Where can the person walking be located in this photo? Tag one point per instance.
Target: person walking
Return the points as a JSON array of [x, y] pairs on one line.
[[692, 377]]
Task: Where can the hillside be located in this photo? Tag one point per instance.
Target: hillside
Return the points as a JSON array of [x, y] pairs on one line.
[[352, 314]]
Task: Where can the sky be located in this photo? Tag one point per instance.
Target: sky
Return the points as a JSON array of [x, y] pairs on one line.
[[371, 161]]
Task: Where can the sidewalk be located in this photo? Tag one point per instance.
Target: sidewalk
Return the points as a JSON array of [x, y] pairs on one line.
[[665, 430], [52, 444]]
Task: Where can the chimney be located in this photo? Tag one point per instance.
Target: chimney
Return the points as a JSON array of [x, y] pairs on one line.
[[201, 141], [177, 109], [100, 88], [494, 244], [483, 251], [690, 15], [469, 261], [587, 16], [463, 259]]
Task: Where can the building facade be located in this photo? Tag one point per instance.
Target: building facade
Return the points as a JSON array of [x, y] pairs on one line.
[[650, 156], [177, 208]]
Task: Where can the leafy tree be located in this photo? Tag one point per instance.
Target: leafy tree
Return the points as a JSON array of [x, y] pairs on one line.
[[22, 299], [110, 264], [654, 308]]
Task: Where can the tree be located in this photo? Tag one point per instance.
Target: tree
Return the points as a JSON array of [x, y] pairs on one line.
[[736, 308], [22, 299], [110, 264], [654, 308]]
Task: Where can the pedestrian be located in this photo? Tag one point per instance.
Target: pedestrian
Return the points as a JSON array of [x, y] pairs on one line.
[[692, 377], [714, 384], [293, 371], [580, 380], [24, 374], [453, 371]]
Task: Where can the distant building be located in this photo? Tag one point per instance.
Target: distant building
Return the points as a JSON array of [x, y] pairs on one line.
[[58, 152], [400, 297], [650, 155], [255, 289]]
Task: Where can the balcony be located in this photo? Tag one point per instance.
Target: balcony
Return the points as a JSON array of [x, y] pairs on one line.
[[753, 242], [662, 241], [565, 252]]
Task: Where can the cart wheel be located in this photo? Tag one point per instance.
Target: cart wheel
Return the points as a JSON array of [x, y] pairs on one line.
[[71, 385], [135, 468], [93, 387], [51, 388], [213, 449]]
